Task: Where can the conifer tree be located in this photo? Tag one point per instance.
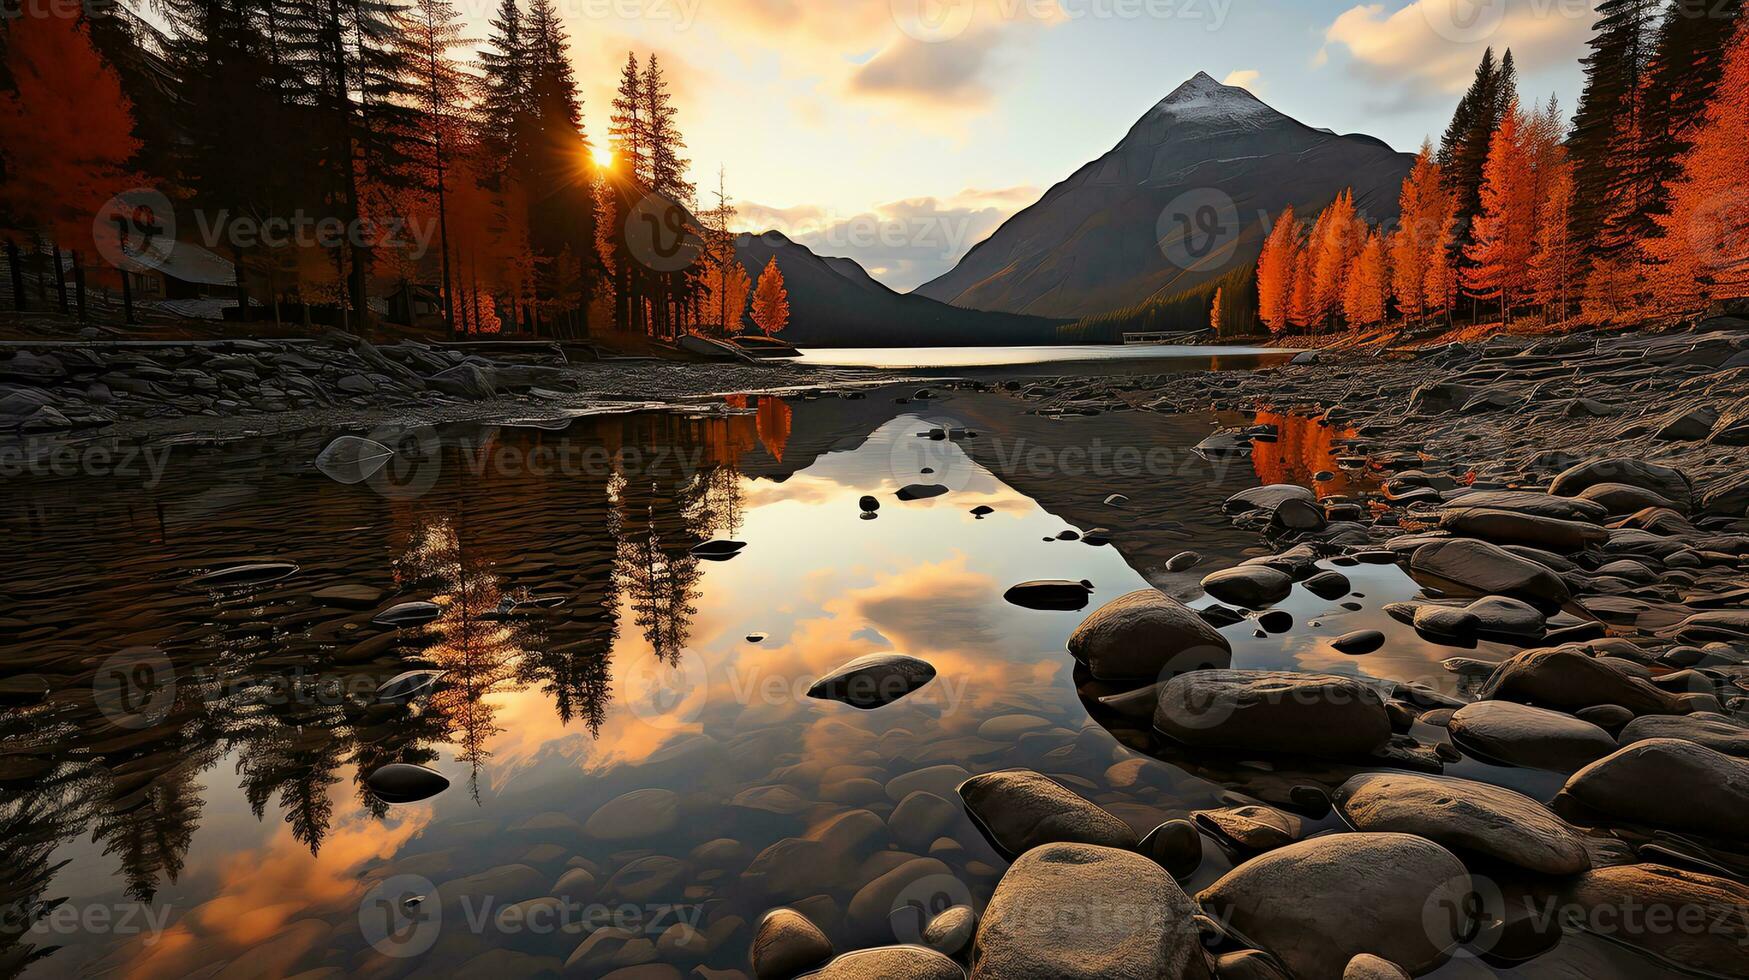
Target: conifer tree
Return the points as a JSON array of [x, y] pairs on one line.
[[771, 300], [1607, 126], [1424, 207], [1505, 233], [1275, 273]]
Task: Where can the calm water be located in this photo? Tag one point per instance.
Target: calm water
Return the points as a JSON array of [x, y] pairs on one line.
[[190, 798], [1188, 357]]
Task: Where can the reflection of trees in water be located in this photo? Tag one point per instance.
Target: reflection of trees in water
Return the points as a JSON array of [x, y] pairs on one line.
[[1303, 446]]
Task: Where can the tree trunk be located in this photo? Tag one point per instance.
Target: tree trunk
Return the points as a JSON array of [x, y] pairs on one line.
[[79, 286], [60, 275], [15, 265], [127, 298]]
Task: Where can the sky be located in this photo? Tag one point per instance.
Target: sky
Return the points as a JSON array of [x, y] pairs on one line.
[[902, 132]]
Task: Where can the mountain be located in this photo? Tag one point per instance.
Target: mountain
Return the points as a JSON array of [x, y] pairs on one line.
[[1100, 240], [834, 302]]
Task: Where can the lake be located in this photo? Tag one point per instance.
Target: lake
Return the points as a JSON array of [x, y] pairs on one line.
[[636, 770], [1154, 357]]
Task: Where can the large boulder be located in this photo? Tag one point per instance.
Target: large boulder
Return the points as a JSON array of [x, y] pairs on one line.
[[1668, 783], [890, 963], [1147, 634], [1474, 567], [1568, 678], [1273, 711], [1720, 733], [1522, 735], [1321, 902], [1072, 911], [785, 944], [1465, 816], [1695, 921], [1019, 809], [1668, 483], [1515, 527], [1252, 586], [1526, 502]]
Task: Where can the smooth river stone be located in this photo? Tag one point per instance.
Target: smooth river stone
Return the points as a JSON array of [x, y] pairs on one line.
[[1515, 527], [1147, 634], [1252, 586], [1668, 783], [1520, 735], [1479, 568], [785, 944], [1273, 711], [890, 963], [1717, 929], [1465, 816], [1715, 731], [640, 814], [1568, 678], [1019, 809], [873, 681]]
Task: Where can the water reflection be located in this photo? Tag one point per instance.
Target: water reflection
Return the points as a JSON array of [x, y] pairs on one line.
[[1304, 448]]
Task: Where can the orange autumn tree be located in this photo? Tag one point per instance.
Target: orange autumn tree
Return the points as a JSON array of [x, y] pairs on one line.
[[771, 300], [1703, 254], [726, 290], [1414, 248], [1275, 273], [1555, 262], [1336, 239], [1442, 273], [1215, 312], [1300, 302], [1505, 230], [1368, 285], [66, 132]]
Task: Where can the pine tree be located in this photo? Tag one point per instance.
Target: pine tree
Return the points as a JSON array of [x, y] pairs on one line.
[[1368, 285], [666, 173], [1303, 315], [504, 89], [1555, 262], [1686, 64], [1505, 231], [1703, 252], [625, 132], [1442, 272], [1607, 126], [440, 89], [1336, 239], [771, 300], [1215, 312], [1424, 206], [1275, 273], [1464, 150]]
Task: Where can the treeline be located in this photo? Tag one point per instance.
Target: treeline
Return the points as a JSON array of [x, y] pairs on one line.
[[1640, 208], [1228, 306], [442, 160]]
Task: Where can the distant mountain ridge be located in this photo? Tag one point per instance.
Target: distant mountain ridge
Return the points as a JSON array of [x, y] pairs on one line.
[[1093, 243], [834, 302]]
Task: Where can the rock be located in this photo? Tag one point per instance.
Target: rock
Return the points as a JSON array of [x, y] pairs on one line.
[[607, 948], [1728, 625], [1018, 809], [464, 381], [1444, 621], [1668, 783], [1249, 964], [1465, 816], [1500, 616], [718, 550], [1693, 920], [1319, 903], [246, 576], [1686, 424], [868, 504], [1540, 504], [1184, 561], [786, 944], [1146, 634], [1305, 357], [920, 491], [1329, 585], [1568, 679], [1295, 514], [651, 878], [1715, 731], [921, 817], [890, 963], [1514, 527], [1252, 586], [1129, 919], [1359, 642], [637, 815], [889, 900], [1609, 717], [1480, 568], [1620, 498], [1253, 827], [1273, 711], [1668, 483], [407, 686], [873, 680], [949, 932], [1520, 735], [352, 460], [1369, 967], [1050, 594], [1175, 845], [408, 614], [399, 782], [1267, 498]]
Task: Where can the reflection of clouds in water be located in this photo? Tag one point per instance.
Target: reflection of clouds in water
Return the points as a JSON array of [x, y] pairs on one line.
[[940, 606]]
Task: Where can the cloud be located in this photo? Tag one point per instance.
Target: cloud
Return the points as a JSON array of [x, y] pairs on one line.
[[931, 74], [1246, 78], [903, 243], [1426, 52]]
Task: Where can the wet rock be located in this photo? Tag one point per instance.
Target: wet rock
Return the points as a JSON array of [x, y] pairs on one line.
[[1145, 634], [1513, 527], [1369, 967], [1620, 498], [1728, 625], [1050, 594], [1184, 561], [1712, 941], [1480, 568], [1359, 642], [648, 879], [1254, 827], [869, 504], [1220, 616], [921, 817], [983, 510], [873, 680], [1568, 679], [399, 782], [1521, 735], [246, 576], [1668, 783], [1025, 936], [607, 948], [1252, 586], [891, 963], [1609, 717], [1465, 816], [1273, 711], [950, 932], [718, 550], [885, 902], [1175, 845], [1319, 903], [1715, 731], [407, 686], [1249, 964], [786, 945], [1267, 498], [408, 614], [464, 381], [1019, 809], [920, 491], [1330, 585], [1502, 616], [637, 815], [1668, 483], [1446, 622], [1539, 504]]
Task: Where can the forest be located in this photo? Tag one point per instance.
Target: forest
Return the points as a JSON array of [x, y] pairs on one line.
[[388, 149]]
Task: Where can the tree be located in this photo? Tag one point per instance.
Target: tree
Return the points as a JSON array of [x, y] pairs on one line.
[[666, 172], [1368, 285], [1442, 272], [771, 300], [504, 90], [625, 132], [1464, 151], [1425, 206], [1607, 124], [1275, 273], [440, 93], [1215, 312], [1555, 261], [1703, 253], [1505, 231], [1302, 314], [1687, 62], [1336, 239]]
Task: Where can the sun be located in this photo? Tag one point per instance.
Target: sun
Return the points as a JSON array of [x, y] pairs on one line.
[[603, 157]]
